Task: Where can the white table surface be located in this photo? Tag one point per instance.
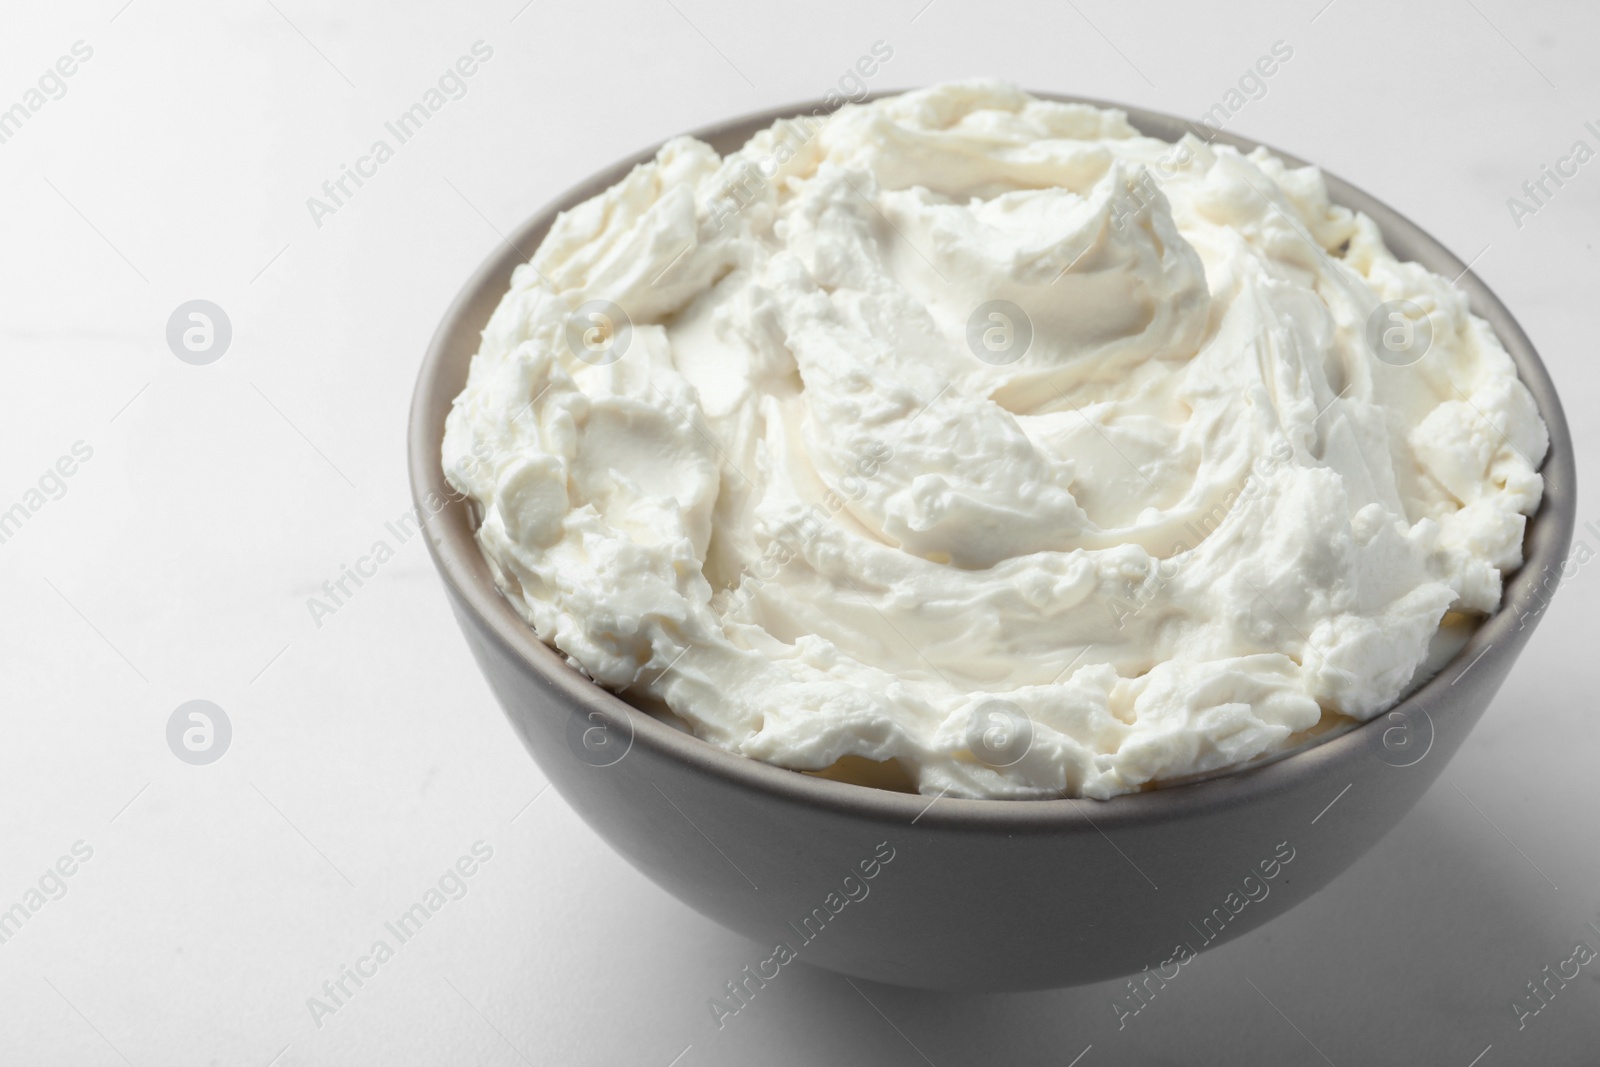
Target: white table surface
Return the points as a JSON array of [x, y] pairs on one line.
[[367, 752]]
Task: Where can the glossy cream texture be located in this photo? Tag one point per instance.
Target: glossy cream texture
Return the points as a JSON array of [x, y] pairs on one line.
[[1196, 521]]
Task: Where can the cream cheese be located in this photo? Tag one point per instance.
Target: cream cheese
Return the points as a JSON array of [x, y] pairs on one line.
[[985, 435]]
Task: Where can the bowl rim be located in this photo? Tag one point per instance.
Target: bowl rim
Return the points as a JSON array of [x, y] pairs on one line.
[[452, 543]]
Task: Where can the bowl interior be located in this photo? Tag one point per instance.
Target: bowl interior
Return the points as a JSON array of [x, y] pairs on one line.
[[450, 523]]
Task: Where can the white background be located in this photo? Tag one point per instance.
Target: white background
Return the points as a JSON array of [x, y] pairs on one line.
[[368, 754]]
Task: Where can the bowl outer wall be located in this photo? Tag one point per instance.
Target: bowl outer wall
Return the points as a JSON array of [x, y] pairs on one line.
[[979, 895]]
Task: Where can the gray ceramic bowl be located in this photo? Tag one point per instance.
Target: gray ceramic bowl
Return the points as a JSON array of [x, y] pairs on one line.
[[968, 894]]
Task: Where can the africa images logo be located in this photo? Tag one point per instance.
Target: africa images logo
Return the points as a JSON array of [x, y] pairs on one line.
[[853, 888]]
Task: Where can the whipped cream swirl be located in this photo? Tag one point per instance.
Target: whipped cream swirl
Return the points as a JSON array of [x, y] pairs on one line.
[[980, 443]]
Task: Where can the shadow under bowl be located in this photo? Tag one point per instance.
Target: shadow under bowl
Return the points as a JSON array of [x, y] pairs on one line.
[[949, 894]]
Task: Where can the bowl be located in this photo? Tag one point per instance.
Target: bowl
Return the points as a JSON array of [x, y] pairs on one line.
[[953, 894]]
